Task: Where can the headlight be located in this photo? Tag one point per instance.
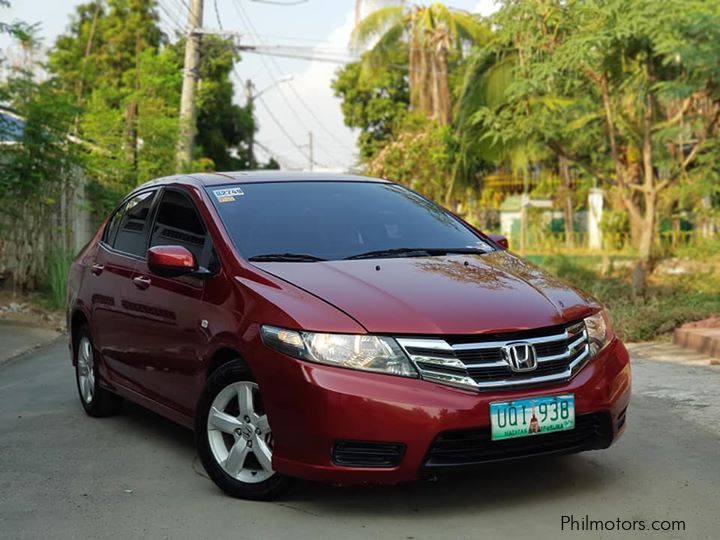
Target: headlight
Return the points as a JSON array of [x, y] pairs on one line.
[[364, 352], [598, 330]]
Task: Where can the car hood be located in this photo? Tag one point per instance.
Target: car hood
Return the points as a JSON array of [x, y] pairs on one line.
[[454, 294]]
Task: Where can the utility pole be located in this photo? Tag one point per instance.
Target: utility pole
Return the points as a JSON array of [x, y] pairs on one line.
[[310, 150], [191, 73], [249, 96]]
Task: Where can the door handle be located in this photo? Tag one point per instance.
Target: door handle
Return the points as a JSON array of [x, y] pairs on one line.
[[97, 269], [141, 282]]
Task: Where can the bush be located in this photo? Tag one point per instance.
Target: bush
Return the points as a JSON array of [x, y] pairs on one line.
[[670, 300]]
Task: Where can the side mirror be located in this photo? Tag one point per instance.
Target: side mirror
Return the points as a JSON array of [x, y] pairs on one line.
[[500, 239], [171, 261]]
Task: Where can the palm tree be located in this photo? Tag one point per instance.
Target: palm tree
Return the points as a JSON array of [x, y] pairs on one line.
[[434, 35]]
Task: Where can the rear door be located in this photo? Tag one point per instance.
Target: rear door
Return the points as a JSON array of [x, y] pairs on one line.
[[123, 244], [168, 311]]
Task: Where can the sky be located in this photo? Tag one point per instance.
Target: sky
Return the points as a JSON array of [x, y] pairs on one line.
[[288, 111]]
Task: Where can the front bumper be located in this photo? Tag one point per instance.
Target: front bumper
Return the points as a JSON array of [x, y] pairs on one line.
[[311, 407]]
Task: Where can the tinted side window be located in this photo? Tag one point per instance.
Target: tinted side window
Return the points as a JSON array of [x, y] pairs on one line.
[[130, 223], [112, 226], [178, 224]]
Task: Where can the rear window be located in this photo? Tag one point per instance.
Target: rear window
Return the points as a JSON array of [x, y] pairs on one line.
[[127, 230], [335, 220]]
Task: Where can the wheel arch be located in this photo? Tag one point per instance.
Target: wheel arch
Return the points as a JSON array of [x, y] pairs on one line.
[[221, 357], [77, 321]]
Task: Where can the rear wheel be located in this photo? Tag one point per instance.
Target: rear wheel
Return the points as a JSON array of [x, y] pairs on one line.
[[95, 400], [233, 437]]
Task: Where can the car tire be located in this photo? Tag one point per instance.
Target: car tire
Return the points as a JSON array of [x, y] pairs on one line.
[[233, 436], [96, 401]]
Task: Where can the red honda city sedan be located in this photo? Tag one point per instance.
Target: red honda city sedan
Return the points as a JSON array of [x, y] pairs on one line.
[[335, 328]]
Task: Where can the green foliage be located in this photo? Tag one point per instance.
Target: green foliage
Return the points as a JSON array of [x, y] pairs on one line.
[[375, 104], [20, 30], [102, 47], [43, 157], [36, 173], [126, 79], [380, 22], [223, 128], [615, 226], [108, 114], [670, 300], [420, 157], [435, 37], [157, 95], [126, 88], [626, 90]]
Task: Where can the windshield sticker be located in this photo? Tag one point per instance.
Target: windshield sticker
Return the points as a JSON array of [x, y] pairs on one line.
[[227, 195]]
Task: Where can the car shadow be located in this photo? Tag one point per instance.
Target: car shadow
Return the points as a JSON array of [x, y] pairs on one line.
[[517, 483], [509, 484], [145, 423]]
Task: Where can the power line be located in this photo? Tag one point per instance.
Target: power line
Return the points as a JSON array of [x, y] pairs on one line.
[[251, 28], [285, 162], [184, 6], [174, 22], [298, 38], [177, 5], [248, 24], [283, 52], [277, 3], [299, 147], [281, 127], [217, 14]]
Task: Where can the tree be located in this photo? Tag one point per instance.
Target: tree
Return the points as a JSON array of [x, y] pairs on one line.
[[421, 156], [376, 104], [126, 79], [627, 91], [20, 30], [223, 128], [435, 38], [109, 61], [39, 167]]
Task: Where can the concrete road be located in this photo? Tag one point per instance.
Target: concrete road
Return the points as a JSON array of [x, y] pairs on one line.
[[16, 339], [65, 475]]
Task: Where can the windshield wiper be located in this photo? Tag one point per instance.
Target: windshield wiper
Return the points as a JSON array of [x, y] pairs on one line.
[[413, 252], [285, 257]]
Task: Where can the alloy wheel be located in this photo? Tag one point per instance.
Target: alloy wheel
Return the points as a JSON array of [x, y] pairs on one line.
[[85, 370], [239, 434]]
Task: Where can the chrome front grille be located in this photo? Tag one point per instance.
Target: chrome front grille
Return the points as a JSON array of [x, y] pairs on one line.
[[480, 364]]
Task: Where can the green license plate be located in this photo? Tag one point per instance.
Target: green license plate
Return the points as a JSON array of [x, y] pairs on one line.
[[534, 416]]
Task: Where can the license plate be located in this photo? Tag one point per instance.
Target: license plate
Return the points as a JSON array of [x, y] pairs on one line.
[[534, 416]]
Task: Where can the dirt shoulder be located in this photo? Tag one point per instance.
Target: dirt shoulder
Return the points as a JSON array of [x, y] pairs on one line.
[[26, 325], [28, 310]]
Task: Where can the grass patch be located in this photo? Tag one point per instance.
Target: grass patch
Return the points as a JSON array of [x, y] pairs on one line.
[[57, 266], [671, 300]]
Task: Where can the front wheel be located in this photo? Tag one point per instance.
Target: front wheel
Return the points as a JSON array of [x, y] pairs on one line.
[[233, 437]]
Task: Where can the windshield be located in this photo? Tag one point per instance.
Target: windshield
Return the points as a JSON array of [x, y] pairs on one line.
[[306, 221]]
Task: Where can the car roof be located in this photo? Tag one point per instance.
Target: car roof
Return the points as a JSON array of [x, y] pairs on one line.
[[248, 177]]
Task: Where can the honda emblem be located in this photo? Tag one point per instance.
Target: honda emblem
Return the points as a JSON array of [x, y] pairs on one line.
[[520, 356]]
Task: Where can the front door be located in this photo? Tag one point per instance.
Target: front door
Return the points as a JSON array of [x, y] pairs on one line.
[[168, 311]]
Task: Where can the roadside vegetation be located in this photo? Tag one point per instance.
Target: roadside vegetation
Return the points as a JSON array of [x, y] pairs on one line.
[[684, 292]]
